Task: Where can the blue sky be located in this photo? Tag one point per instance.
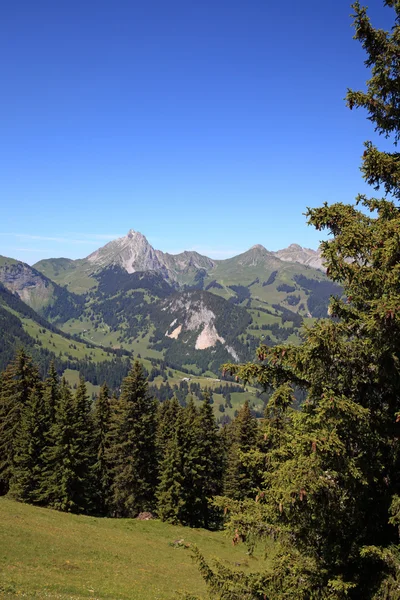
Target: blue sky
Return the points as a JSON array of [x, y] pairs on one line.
[[204, 125]]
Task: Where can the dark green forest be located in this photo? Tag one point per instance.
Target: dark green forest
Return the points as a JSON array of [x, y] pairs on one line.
[[122, 454]]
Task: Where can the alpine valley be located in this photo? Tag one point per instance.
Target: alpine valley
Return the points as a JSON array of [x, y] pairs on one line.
[[185, 312]]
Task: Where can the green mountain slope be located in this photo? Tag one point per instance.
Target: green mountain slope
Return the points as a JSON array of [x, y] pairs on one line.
[[20, 325], [38, 291]]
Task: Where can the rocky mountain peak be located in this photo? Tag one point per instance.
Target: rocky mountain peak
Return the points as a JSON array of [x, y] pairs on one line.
[[304, 256], [132, 252], [258, 247]]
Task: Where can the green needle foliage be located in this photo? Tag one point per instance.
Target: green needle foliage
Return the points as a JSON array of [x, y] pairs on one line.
[[102, 471], [16, 384], [204, 466], [171, 489], [167, 415], [331, 484], [86, 446], [28, 449], [67, 483], [51, 394], [242, 477], [132, 452]]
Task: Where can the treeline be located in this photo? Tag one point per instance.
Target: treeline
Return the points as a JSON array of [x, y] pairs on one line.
[[121, 454]]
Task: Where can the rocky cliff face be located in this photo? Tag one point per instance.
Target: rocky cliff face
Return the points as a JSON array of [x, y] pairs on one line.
[[192, 313], [30, 285]]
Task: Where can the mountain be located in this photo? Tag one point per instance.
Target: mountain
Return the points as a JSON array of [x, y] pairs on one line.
[[304, 256], [133, 253], [185, 311], [39, 292]]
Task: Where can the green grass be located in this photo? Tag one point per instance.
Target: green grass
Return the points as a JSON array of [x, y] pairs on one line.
[[4, 261], [73, 379], [47, 554], [75, 274], [56, 343]]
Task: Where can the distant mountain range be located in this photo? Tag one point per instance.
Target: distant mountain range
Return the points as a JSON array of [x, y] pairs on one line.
[[185, 310], [134, 253]]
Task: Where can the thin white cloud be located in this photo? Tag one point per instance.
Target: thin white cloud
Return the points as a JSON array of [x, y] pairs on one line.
[[85, 238], [18, 249], [44, 238]]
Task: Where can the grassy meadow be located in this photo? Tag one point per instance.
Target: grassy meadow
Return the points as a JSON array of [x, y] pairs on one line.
[[48, 554]]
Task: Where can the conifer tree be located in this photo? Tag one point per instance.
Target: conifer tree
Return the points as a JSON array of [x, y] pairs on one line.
[[102, 427], [51, 394], [68, 468], [167, 413], [331, 490], [202, 464], [17, 382], [86, 448], [170, 492], [133, 451], [29, 447], [210, 455], [242, 476]]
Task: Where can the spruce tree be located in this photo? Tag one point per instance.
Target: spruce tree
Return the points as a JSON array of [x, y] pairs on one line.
[[210, 461], [133, 451], [67, 481], [86, 448], [171, 495], [167, 414], [202, 464], [29, 447], [242, 475], [51, 394], [102, 427], [331, 490], [17, 382]]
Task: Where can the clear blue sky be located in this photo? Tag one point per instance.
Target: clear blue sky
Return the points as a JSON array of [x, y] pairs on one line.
[[205, 125]]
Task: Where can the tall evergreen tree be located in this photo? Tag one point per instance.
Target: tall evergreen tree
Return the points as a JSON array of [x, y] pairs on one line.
[[133, 452], [29, 446], [17, 382], [167, 414], [102, 427], [51, 394], [242, 475], [68, 466], [202, 464], [171, 494], [86, 447]]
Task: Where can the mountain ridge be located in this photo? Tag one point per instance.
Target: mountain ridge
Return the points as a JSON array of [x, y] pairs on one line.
[[134, 253]]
